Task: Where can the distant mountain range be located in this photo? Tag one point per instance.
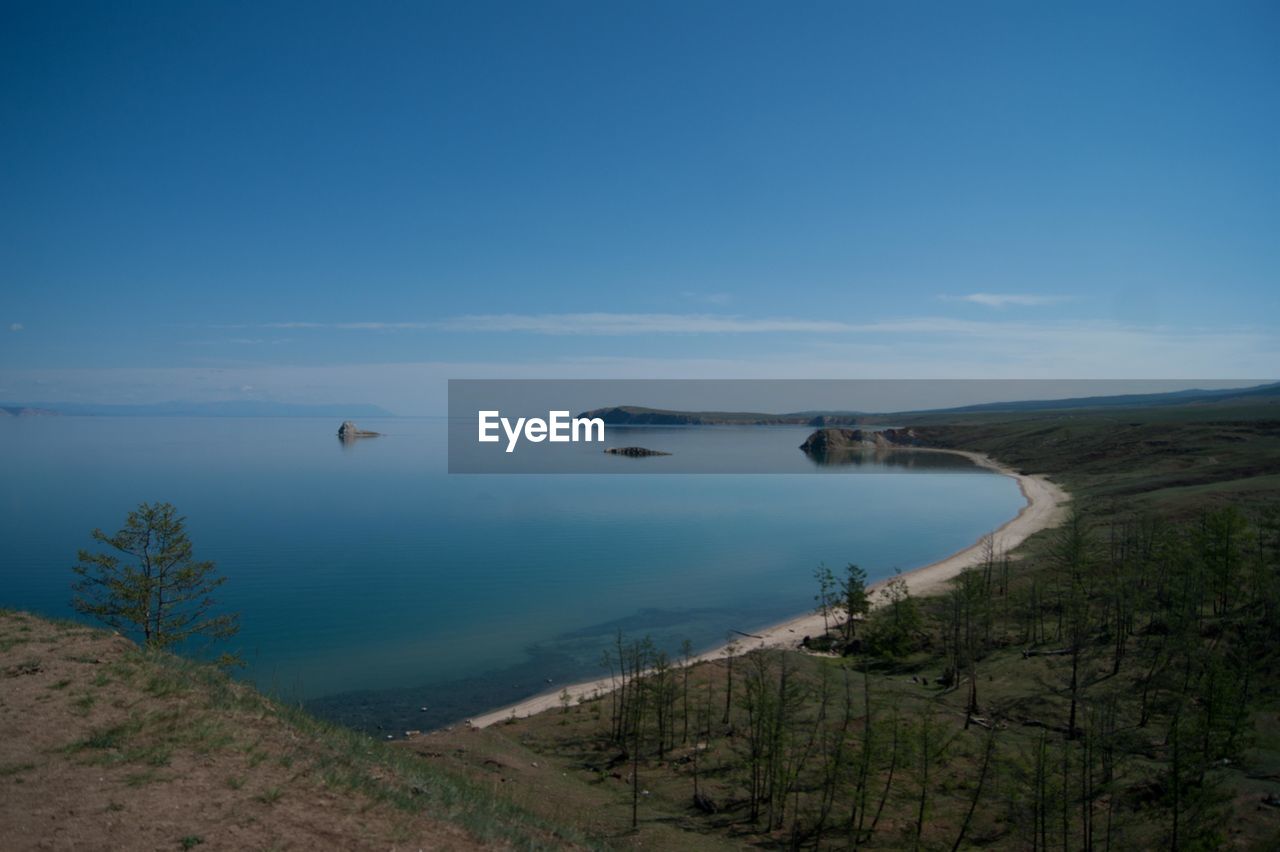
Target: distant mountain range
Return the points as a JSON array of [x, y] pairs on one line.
[[229, 408], [632, 415], [24, 411]]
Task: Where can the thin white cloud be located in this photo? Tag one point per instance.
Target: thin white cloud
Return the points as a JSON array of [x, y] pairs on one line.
[[601, 324], [595, 324], [610, 324], [16, 326], [708, 298], [1004, 300], [352, 326], [1013, 343], [238, 341]]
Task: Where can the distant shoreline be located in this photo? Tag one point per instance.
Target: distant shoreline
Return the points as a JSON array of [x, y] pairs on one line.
[[1044, 508]]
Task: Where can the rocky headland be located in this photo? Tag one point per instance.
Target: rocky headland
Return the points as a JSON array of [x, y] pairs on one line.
[[834, 441]]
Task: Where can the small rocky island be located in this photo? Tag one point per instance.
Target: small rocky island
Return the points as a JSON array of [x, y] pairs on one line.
[[634, 452], [348, 431]]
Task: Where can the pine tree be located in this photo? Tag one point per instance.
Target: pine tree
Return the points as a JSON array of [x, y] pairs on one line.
[[152, 583]]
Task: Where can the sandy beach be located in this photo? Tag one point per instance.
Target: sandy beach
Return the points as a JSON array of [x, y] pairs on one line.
[[1045, 508]]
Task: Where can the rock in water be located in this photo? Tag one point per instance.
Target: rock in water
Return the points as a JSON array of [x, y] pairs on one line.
[[348, 431]]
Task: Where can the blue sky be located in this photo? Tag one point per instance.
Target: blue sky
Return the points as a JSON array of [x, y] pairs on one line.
[[340, 201]]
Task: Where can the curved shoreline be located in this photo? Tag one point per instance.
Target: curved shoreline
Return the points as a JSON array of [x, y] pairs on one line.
[[1044, 509]]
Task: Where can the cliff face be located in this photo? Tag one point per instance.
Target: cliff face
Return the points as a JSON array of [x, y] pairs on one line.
[[827, 441]]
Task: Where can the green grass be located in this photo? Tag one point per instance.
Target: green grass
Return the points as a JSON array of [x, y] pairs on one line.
[[152, 737], [29, 666], [254, 756], [270, 796], [8, 770], [163, 683], [111, 737], [143, 778], [82, 705], [8, 643], [1174, 462], [1175, 459], [353, 762]]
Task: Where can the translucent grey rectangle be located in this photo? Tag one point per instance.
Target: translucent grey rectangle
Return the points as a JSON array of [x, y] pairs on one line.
[[750, 426]]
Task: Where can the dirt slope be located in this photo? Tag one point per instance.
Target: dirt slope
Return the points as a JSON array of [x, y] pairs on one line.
[[105, 747]]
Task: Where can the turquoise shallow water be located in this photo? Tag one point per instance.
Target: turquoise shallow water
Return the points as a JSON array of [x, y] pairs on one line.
[[371, 583]]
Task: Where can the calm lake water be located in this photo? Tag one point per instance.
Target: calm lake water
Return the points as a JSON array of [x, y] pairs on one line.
[[372, 584]]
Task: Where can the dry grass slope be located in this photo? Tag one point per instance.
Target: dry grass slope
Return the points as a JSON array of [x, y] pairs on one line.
[[103, 746]]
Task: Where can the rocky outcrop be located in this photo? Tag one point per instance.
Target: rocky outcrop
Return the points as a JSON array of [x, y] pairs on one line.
[[348, 431], [826, 442], [903, 438], [634, 452]]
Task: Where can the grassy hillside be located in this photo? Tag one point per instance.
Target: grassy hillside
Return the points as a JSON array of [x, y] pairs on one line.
[[103, 746], [1181, 458], [1147, 403], [1113, 684]]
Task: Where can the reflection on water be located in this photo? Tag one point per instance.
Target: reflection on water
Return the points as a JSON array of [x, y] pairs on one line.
[[884, 457]]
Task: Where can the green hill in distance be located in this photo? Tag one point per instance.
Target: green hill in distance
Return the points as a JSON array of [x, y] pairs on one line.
[[635, 415]]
